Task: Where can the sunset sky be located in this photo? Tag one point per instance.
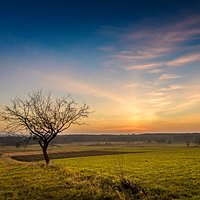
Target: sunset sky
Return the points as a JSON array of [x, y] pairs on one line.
[[136, 63]]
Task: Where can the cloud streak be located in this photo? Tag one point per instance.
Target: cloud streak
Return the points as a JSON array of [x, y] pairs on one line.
[[151, 68], [171, 88], [161, 41], [69, 83], [168, 77], [184, 60], [143, 67]]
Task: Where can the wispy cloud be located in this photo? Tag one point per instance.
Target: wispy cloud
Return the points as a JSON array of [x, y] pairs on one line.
[[68, 83], [156, 42], [132, 55], [172, 88], [143, 67], [151, 68], [184, 60], [194, 97], [164, 38], [168, 76], [157, 100], [155, 71], [156, 94]]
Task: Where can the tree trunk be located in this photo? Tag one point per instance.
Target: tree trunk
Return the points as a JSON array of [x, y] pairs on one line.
[[45, 154]]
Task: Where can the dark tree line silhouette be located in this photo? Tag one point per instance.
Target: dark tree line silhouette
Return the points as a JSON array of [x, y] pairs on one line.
[[109, 138]]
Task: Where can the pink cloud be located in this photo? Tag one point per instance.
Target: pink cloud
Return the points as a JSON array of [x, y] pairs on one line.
[[134, 55], [151, 43], [167, 36], [143, 67], [168, 76], [155, 71], [184, 60]]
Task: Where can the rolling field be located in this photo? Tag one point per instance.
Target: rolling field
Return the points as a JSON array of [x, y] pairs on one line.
[[149, 172]]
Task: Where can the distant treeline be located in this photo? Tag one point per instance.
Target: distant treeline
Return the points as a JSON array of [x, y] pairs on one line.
[[107, 139]]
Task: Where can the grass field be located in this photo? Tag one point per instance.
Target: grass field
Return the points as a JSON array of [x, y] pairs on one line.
[[156, 172]]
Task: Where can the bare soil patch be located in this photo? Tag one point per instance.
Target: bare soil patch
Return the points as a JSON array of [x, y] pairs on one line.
[[39, 157]]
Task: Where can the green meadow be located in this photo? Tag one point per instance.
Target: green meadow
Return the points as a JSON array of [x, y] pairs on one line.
[[150, 171]]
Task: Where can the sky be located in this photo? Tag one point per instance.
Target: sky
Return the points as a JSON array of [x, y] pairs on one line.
[[136, 63]]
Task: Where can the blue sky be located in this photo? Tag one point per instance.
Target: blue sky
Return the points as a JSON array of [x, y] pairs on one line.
[[136, 63]]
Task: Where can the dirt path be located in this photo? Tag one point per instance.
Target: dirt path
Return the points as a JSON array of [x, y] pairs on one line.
[[38, 157]]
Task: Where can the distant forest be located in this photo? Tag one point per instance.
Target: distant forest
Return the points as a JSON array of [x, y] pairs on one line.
[[109, 139]]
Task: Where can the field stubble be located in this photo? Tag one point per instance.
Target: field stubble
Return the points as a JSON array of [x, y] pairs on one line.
[[162, 172]]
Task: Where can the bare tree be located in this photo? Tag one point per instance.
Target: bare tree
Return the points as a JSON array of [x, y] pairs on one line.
[[43, 117]]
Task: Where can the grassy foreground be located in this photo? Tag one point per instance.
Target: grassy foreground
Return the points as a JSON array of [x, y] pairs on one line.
[[157, 172]]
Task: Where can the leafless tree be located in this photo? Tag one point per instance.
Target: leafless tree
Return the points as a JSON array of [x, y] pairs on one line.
[[43, 117]]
